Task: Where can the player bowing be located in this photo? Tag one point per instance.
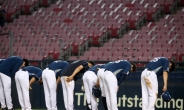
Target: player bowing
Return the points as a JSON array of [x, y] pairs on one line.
[[49, 76], [8, 68], [111, 76], [89, 81], [24, 78], [68, 77], [155, 68]]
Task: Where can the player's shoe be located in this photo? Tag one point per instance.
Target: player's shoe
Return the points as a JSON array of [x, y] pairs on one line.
[[4, 109]]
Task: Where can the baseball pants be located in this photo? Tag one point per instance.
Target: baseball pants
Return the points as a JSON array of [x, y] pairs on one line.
[[89, 80], [110, 89], [22, 84], [68, 93], [5, 91], [49, 84], [100, 76], [149, 86]]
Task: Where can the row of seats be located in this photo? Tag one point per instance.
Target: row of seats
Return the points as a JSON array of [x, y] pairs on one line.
[[127, 54], [110, 58], [15, 8], [79, 21], [160, 38], [144, 45]]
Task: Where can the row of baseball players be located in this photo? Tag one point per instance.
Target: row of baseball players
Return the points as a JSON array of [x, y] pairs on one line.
[[108, 76]]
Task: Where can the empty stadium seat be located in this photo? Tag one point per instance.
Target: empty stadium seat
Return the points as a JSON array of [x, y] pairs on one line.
[[92, 24]]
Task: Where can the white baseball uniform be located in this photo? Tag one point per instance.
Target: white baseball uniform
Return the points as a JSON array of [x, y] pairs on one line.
[[101, 80], [68, 87], [8, 68], [89, 80], [49, 76], [110, 89], [5, 82], [49, 84], [149, 86], [22, 83], [111, 78], [149, 81]]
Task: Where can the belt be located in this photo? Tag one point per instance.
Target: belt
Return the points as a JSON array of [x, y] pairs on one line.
[[24, 70], [50, 69], [148, 69], [105, 70]]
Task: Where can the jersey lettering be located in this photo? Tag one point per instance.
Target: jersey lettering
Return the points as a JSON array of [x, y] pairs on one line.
[[117, 61], [156, 59], [57, 61]]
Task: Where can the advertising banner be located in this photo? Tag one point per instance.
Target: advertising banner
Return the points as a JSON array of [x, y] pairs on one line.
[[129, 97]]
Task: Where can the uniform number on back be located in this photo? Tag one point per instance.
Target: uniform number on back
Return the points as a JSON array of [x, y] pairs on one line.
[[156, 59], [119, 61]]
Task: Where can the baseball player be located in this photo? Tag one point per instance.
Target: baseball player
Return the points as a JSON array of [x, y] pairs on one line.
[[24, 78], [8, 68], [49, 76], [155, 68], [111, 76], [68, 77], [89, 81]]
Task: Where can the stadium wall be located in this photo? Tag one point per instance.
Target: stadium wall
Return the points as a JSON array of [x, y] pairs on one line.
[[129, 97]]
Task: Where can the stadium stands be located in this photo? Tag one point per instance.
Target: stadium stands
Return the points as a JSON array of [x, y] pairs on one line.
[[110, 30]]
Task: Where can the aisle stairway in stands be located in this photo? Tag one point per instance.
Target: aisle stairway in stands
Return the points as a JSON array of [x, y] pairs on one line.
[[71, 27], [161, 36]]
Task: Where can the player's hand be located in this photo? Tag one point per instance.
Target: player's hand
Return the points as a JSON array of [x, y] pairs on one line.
[[40, 81], [97, 84], [82, 88], [70, 78], [164, 88]]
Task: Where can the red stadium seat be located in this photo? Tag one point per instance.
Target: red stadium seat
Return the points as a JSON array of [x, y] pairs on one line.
[[46, 3], [93, 58], [83, 58], [98, 53], [81, 25], [108, 53], [88, 53], [118, 54], [143, 59], [38, 57], [104, 58], [56, 55], [73, 58]]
